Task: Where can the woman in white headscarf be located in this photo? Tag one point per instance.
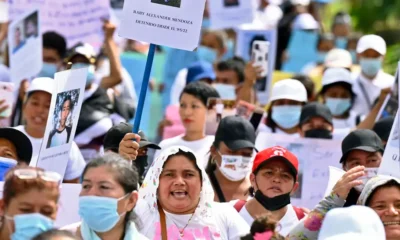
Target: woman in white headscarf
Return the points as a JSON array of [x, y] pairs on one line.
[[176, 201]]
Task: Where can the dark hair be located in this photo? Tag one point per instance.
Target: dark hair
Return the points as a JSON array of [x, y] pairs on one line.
[[345, 85], [388, 184], [341, 18], [67, 98], [125, 174], [261, 225], [239, 60], [307, 82], [201, 91], [53, 233], [232, 65], [325, 37], [190, 156], [255, 38], [55, 41]]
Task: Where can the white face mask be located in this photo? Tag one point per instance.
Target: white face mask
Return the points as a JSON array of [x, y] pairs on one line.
[[235, 168], [369, 173]]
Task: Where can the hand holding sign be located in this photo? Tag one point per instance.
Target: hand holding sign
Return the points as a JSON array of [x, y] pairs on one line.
[[128, 149], [348, 181]]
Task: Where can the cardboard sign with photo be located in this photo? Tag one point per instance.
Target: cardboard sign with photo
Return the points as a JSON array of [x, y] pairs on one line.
[[65, 108], [216, 110], [7, 97], [391, 157], [391, 104], [230, 13]]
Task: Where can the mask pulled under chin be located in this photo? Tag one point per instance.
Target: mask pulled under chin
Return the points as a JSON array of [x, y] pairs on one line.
[[273, 204], [318, 133]]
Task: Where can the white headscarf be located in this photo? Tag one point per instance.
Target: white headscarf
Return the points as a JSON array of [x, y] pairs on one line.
[[203, 216]]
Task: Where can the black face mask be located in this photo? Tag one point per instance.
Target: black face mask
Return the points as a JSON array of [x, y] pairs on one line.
[[141, 164], [318, 133], [272, 204]]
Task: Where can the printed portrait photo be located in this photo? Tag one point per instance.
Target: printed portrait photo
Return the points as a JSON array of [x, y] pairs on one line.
[[63, 117], [216, 110], [117, 4], [18, 37], [171, 3], [231, 3], [31, 25]]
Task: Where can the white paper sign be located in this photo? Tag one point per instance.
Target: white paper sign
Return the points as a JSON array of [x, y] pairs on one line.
[[171, 23], [314, 155], [77, 20], [3, 11], [25, 47], [63, 118], [68, 204], [334, 176], [390, 164], [230, 13]]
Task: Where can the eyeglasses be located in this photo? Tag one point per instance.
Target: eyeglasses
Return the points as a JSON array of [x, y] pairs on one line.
[[29, 174]]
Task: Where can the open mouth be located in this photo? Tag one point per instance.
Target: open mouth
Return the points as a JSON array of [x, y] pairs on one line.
[[276, 189], [391, 223], [179, 194], [38, 120]]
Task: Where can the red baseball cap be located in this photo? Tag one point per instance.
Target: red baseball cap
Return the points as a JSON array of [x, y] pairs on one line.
[[277, 152]]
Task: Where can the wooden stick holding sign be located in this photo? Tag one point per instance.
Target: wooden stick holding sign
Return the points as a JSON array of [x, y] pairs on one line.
[[175, 24]]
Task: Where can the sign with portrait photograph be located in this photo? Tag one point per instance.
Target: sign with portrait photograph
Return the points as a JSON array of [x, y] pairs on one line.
[[25, 47], [63, 118], [230, 13], [171, 23]]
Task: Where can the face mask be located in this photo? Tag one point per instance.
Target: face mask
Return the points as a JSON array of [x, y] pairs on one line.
[[91, 71], [230, 49], [206, 23], [341, 42], [272, 204], [286, 116], [353, 54], [48, 70], [5, 165], [141, 163], [338, 106], [27, 226], [321, 56], [99, 213], [235, 168], [370, 66], [206, 54], [225, 91], [318, 133], [369, 173]]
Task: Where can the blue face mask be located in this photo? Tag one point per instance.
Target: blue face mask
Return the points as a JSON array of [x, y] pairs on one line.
[[206, 54], [5, 165], [286, 116], [341, 42], [353, 54], [99, 213], [338, 106], [225, 91], [91, 71], [370, 66], [206, 23], [48, 70], [230, 52], [27, 226], [321, 56]]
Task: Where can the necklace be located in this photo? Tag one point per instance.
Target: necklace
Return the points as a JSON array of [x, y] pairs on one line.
[[181, 234]]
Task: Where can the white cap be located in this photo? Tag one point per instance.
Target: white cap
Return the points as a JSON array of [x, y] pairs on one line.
[[85, 50], [352, 223], [289, 89], [44, 84], [305, 21], [334, 75], [338, 58], [300, 2], [374, 42]]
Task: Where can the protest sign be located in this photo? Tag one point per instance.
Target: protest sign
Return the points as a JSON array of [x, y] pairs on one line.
[[78, 21], [245, 40], [314, 155], [68, 210], [172, 23], [230, 13], [390, 164], [391, 103], [217, 109], [65, 107], [25, 47], [3, 11], [7, 95], [334, 176]]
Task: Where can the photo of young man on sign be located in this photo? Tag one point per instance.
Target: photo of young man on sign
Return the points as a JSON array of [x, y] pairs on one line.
[[172, 3]]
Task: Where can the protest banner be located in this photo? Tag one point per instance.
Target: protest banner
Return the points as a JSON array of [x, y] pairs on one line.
[[245, 40], [172, 23], [25, 47], [391, 104], [3, 11], [230, 13], [390, 164], [78, 21], [314, 155], [68, 210], [65, 107]]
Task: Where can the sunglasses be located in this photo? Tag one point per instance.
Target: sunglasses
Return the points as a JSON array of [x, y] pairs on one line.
[[29, 174]]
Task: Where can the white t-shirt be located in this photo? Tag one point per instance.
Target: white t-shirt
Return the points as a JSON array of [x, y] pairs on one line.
[[75, 165], [264, 128], [200, 147], [350, 122], [59, 138], [219, 108], [287, 223], [229, 223]]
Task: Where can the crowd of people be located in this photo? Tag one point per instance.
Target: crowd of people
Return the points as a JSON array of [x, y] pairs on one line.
[[194, 185]]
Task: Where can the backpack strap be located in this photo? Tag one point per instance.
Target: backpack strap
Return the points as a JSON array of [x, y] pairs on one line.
[[358, 119], [239, 205], [299, 213]]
